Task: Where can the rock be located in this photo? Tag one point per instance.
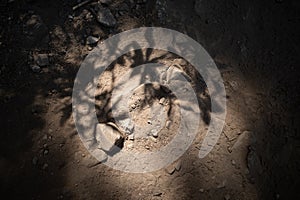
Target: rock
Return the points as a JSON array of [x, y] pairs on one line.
[[105, 17], [154, 133], [46, 151], [91, 40], [106, 136], [201, 190], [41, 59], [35, 160], [170, 169], [168, 124], [178, 166], [35, 68], [149, 122], [162, 101], [153, 139], [45, 166]]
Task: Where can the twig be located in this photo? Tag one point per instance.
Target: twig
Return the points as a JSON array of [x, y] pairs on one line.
[[81, 4]]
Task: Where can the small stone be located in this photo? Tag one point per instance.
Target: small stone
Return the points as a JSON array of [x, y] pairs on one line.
[[35, 160], [147, 147], [149, 122], [90, 48], [35, 68], [178, 166], [233, 162], [227, 197], [133, 106], [42, 59], [222, 185], [170, 169], [162, 100], [91, 40], [83, 155], [168, 124], [201, 190], [131, 137], [105, 17], [153, 139], [45, 166], [154, 133], [46, 151]]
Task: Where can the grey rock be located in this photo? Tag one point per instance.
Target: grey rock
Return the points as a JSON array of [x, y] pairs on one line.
[[91, 40], [42, 59], [105, 17], [35, 68]]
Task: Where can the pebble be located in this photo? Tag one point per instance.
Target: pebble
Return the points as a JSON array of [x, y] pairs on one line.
[[42, 60], [105, 17], [201, 190], [233, 162], [45, 166], [35, 68], [46, 151], [149, 122], [91, 40], [168, 124], [162, 100], [153, 139], [154, 133]]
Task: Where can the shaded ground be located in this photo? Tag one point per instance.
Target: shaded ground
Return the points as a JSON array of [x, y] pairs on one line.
[[255, 46]]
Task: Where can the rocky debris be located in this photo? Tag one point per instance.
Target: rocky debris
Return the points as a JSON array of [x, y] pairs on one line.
[[105, 17], [90, 40], [41, 59], [201, 190]]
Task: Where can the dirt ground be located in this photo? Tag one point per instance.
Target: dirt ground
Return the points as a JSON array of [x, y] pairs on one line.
[[255, 45]]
